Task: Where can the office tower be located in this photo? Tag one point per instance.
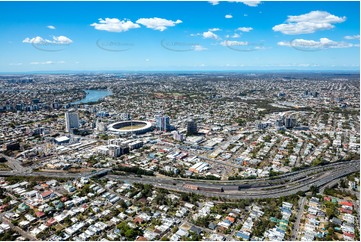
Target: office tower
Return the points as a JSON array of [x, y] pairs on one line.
[[191, 127], [290, 122], [162, 123], [71, 121], [178, 136], [101, 126]]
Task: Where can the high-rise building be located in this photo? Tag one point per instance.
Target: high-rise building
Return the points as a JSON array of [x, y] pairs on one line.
[[162, 123], [191, 127], [71, 121], [178, 136], [290, 122], [101, 126]]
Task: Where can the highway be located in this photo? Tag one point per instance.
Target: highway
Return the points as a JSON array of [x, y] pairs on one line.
[[283, 185], [267, 192]]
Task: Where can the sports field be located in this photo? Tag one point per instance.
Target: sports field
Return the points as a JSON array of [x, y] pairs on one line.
[[132, 127]]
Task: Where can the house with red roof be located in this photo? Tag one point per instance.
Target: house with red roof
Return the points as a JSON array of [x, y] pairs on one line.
[[344, 210], [47, 194], [39, 214], [50, 222], [138, 220], [348, 236], [346, 203], [141, 238]]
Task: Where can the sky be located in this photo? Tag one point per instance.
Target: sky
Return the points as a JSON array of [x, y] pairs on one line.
[[172, 36]]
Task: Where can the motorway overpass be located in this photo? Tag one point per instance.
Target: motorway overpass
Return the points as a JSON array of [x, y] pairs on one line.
[[317, 178], [284, 185]]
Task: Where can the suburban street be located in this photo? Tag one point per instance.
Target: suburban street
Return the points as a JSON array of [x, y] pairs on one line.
[[15, 164], [296, 226]]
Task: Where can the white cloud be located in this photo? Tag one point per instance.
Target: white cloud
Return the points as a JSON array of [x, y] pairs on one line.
[[209, 35], [250, 3], [351, 37], [60, 40], [147, 60], [245, 29], [50, 27], [41, 63], [46, 62], [236, 35], [199, 48], [295, 65], [35, 40], [234, 43], [114, 25], [308, 23], [228, 16], [323, 43], [214, 2], [157, 23]]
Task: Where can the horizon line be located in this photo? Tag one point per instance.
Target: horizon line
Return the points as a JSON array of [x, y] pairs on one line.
[[357, 71]]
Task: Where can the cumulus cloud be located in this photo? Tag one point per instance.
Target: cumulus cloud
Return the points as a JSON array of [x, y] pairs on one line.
[[308, 23], [245, 29], [157, 23], [228, 16], [60, 40], [199, 48], [323, 43], [35, 40], [214, 29], [351, 37], [50, 27], [250, 3], [114, 25], [233, 43], [209, 35], [214, 2], [236, 35]]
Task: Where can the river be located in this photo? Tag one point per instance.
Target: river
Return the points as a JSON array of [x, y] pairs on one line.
[[93, 96]]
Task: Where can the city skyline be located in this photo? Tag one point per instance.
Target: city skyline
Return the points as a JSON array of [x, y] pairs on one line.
[[143, 36]]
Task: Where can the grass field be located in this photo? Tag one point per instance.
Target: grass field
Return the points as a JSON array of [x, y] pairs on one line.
[[133, 127]]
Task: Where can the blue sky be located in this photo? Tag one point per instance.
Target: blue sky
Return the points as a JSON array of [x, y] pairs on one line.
[[153, 36]]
